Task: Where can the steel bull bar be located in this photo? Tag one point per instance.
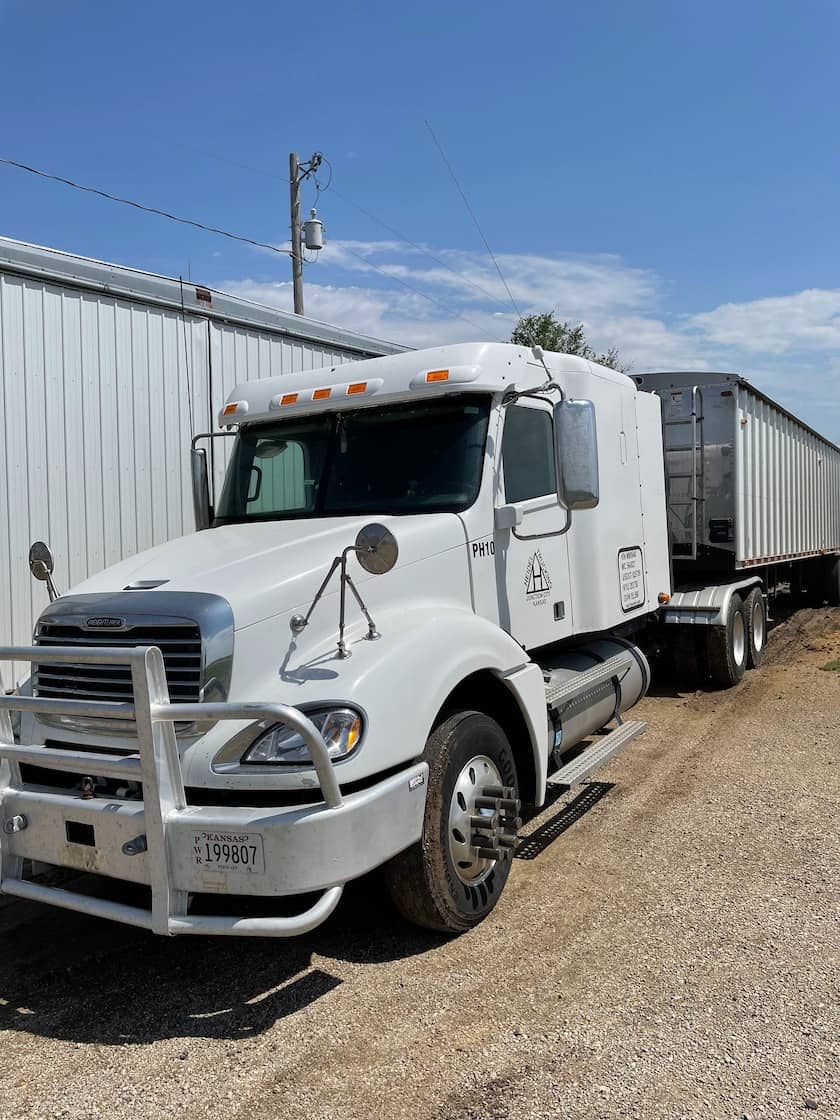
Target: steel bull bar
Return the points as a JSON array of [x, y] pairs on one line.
[[157, 766]]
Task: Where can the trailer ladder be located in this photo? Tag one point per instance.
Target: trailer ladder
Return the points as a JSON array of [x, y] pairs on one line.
[[692, 503]]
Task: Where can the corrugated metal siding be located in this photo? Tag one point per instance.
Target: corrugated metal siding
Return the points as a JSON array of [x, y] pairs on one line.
[[95, 395], [788, 485]]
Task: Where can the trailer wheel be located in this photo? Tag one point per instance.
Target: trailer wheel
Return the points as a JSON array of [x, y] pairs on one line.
[[727, 647], [756, 614], [448, 881]]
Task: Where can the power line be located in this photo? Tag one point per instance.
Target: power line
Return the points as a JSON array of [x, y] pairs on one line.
[[419, 248], [471, 213], [220, 232], [142, 206]]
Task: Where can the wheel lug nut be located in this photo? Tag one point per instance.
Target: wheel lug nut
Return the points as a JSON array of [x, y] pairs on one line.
[[489, 823]]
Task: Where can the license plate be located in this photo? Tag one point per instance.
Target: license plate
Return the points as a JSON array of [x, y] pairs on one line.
[[229, 851]]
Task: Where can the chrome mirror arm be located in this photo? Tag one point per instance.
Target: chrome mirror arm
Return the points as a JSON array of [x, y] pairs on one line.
[[298, 623]]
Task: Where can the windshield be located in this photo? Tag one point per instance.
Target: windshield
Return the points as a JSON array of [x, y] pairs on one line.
[[404, 458]]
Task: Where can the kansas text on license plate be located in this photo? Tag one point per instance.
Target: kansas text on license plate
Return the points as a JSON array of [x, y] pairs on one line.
[[229, 851]]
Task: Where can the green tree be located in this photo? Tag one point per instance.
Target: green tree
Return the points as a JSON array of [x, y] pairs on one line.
[[544, 329]]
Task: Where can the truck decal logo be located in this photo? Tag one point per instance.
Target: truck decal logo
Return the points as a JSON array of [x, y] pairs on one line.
[[537, 579]]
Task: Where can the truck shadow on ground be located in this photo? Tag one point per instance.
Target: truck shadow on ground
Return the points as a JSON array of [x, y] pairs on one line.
[[67, 976], [71, 977], [547, 831]]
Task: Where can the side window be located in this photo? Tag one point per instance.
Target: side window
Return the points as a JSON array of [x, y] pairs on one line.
[[276, 479], [528, 454]]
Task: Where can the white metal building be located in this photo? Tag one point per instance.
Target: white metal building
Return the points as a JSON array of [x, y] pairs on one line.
[[105, 374]]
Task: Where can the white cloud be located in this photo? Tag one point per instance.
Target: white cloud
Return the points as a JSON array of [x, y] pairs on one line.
[[422, 296], [808, 320]]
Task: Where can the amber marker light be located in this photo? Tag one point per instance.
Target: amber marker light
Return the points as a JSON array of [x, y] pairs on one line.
[[230, 409], [321, 394], [289, 398], [664, 597], [437, 375], [356, 387]]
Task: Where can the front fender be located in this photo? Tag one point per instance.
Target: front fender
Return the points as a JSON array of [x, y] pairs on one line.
[[423, 656]]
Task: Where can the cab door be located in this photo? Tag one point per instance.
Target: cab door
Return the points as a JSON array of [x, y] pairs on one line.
[[532, 560]]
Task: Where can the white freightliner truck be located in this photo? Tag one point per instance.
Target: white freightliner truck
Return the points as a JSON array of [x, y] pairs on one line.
[[427, 582]]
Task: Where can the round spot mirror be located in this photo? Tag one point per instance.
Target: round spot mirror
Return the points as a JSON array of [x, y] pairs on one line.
[[376, 549], [41, 562]]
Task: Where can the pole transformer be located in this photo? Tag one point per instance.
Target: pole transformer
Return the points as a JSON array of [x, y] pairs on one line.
[[311, 233]]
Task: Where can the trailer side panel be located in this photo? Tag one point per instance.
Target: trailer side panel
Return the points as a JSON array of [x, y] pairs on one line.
[[788, 486]]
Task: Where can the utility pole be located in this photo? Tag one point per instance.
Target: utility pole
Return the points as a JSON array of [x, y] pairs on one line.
[[297, 255], [312, 229]]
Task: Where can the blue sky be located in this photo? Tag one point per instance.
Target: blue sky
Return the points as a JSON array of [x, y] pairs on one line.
[[666, 173]]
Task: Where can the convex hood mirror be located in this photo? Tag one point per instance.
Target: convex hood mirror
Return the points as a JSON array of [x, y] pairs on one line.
[[42, 566], [376, 549], [41, 560]]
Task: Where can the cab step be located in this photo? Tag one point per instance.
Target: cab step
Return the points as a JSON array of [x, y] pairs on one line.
[[556, 695], [597, 755]]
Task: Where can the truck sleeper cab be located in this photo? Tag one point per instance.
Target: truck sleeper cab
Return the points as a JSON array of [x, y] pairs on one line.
[[420, 587]]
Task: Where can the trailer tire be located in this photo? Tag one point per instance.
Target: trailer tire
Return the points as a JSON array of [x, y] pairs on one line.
[[427, 884], [726, 647], [756, 614]]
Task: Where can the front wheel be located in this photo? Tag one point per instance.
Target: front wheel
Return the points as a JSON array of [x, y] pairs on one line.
[[452, 878]]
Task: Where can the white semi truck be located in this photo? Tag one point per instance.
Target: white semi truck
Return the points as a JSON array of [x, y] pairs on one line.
[[423, 594]]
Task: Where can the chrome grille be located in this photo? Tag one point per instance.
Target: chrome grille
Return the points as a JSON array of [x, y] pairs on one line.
[[180, 645]]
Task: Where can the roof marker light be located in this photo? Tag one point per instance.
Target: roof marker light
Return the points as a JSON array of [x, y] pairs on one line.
[[321, 394], [437, 375], [288, 398], [356, 387], [234, 407]]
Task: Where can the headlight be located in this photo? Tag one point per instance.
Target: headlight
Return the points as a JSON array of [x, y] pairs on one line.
[[340, 727]]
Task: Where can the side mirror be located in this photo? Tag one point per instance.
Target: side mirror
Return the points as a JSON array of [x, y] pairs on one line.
[[200, 488], [42, 566], [576, 452], [376, 549]]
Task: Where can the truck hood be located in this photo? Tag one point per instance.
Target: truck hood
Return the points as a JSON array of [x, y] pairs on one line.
[[270, 567]]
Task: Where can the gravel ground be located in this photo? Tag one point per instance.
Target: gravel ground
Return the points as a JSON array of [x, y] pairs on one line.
[[668, 946]]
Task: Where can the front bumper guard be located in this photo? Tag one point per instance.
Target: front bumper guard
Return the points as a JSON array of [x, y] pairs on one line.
[[157, 766]]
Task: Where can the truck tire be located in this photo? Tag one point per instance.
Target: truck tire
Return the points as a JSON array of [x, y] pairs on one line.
[[442, 882], [726, 647], [756, 615]]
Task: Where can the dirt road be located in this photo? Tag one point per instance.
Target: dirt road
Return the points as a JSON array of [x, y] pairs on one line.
[[668, 946]]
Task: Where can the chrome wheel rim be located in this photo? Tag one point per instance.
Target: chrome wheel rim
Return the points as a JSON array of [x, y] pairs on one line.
[[479, 772], [739, 638], [758, 626]]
